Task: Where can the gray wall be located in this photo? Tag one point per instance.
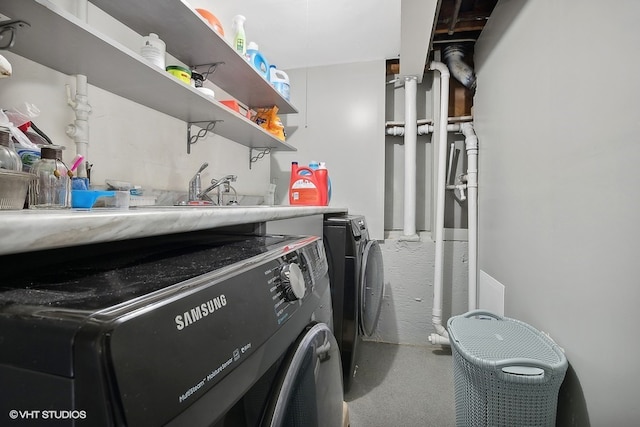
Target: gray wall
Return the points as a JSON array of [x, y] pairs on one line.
[[340, 122], [557, 119], [407, 305]]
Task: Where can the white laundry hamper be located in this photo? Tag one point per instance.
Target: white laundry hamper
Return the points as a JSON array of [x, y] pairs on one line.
[[506, 372]]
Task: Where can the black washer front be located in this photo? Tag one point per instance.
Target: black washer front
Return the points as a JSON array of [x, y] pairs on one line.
[[157, 331], [357, 284]]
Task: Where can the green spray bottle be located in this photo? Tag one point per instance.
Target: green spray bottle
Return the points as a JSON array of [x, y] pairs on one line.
[[239, 39]]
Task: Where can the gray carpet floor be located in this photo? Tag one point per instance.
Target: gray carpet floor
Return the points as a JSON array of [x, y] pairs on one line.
[[401, 385]]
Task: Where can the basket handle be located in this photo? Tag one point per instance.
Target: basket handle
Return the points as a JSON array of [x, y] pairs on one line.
[[474, 313], [538, 374]]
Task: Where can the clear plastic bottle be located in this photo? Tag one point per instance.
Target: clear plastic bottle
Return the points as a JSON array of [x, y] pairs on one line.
[[52, 187], [239, 38]]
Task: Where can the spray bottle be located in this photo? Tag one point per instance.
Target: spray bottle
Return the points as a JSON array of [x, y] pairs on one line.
[[239, 39]]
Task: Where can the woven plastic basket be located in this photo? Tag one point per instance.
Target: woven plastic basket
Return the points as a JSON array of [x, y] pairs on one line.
[[506, 372], [13, 188]]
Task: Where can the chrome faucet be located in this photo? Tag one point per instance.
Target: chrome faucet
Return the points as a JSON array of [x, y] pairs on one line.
[[195, 184], [217, 183]]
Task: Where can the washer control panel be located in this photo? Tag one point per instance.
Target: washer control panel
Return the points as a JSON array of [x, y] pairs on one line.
[[292, 282]]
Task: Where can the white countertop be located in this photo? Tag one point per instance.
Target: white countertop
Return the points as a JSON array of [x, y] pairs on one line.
[[31, 230]]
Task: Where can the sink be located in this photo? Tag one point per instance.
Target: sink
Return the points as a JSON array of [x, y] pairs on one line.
[[199, 206]]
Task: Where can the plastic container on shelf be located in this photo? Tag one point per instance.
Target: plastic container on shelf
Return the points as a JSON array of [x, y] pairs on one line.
[[239, 36], [213, 21], [153, 50], [280, 81], [181, 73], [256, 59], [197, 79], [231, 104]]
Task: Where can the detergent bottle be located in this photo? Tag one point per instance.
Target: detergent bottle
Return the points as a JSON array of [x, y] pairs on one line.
[[323, 181], [239, 39], [280, 82], [306, 187], [322, 166], [153, 50], [256, 59]]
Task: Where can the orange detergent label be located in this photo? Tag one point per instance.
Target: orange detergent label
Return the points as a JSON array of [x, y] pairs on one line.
[[304, 192]]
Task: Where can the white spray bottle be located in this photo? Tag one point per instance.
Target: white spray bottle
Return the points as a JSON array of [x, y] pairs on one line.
[[239, 39]]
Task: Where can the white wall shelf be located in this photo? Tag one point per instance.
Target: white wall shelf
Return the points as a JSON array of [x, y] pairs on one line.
[[191, 39], [59, 40]]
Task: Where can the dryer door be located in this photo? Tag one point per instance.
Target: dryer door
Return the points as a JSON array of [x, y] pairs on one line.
[[308, 392], [371, 287]]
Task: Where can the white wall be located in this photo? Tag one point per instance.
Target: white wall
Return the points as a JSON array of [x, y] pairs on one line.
[[557, 119], [340, 122], [407, 305]]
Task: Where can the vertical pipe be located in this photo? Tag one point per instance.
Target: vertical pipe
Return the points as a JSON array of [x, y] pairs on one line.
[[410, 140], [454, 17], [441, 335], [79, 130], [471, 144]]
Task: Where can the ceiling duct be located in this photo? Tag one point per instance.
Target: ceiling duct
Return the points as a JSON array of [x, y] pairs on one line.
[[454, 58]]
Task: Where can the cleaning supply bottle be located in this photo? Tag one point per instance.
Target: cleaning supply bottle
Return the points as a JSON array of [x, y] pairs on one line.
[[280, 81], [256, 59], [323, 181], [322, 166], [239, 38], [153, 50], [305, 187]]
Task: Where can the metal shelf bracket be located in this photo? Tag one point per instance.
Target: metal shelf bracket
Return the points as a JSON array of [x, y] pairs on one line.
[[192, 139], [261, 152], [212, 68], [8, 30]]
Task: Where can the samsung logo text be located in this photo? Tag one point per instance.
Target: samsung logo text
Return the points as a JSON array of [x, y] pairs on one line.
[[199, 312]]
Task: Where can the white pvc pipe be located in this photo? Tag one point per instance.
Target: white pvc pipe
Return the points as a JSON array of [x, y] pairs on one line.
[[440, 195], [79, 130], [471, 144], [410, 139], [423, 129]]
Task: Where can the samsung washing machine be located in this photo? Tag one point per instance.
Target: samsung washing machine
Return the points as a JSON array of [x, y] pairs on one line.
[[357, 284], [196, 329]]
